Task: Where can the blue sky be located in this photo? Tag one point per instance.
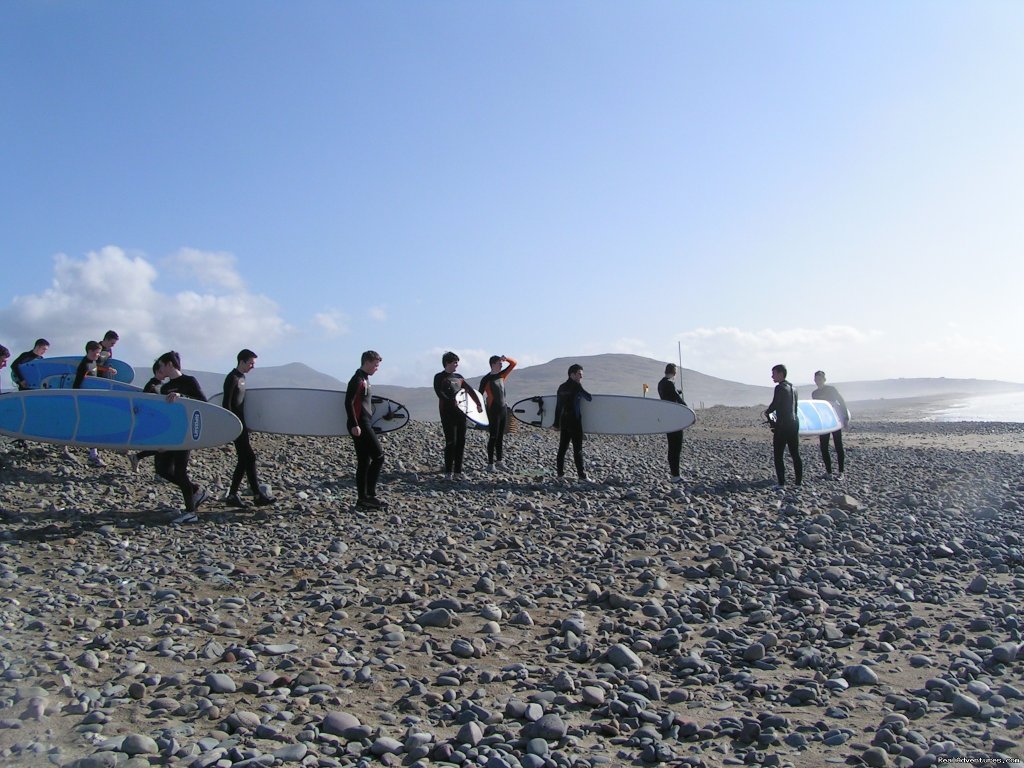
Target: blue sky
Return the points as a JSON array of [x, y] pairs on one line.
[[828, 185]]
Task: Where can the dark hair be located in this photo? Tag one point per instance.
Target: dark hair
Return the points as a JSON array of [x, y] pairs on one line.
[[575, 368], [819, 373], [4, 351], [449, 357], [170, 358], [91, 345], [41, 343], [156, 366], [494, 359], [670, 369], [368, 356], [111, 335], [780, 367], [246, 354]]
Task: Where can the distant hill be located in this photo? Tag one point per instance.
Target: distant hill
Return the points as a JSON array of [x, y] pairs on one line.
[[613, 374]]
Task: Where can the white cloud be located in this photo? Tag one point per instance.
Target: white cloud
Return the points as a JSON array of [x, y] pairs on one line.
[[110, 289], [214, 269], [379, 313], [333, 322]]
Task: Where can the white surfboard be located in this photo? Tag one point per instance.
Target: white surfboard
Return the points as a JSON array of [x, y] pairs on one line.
[[817, 417], [468, 407], [611, 414], [312, 412]]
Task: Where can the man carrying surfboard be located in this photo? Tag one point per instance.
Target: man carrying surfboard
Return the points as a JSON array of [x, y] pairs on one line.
[[447, 384], [173, 465], [667, 391], [36, 353], [787, 426], [493, 387], [88, 368], [359, 410], [103, 368], [569, 420], [831, 394], [234, 401]]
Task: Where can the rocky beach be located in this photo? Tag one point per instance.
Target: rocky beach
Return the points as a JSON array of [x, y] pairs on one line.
[[512, 621]]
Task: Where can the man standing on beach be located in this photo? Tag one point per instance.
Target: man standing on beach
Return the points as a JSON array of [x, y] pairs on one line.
[[787, 426], [173, 465], [369, 454], [667, 391], [831, 394], [492, 385], [245, 465], [87, 367], [569, 420], [447, 384]]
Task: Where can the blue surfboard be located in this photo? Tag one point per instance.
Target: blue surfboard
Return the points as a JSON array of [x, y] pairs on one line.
[[67, 381], [115, 420], [33, 373], [817, 417]]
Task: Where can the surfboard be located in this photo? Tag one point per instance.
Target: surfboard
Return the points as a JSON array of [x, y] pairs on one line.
[[817, 417], [611, 414], [468, 407], [67, 380], [33, 373], [312, 412], [115, 420]]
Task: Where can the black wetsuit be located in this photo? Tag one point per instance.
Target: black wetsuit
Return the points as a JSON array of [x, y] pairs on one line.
[[569, 421], [103, 369], [453, 420], [369, 454], [493, 387], [85, 368], [787, 431], [20, 360], [245, 466], [667, 391], [153, 388], [173, 465], [830, 393]]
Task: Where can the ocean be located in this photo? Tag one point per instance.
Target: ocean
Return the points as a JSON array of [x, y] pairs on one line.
[[1008, 406]]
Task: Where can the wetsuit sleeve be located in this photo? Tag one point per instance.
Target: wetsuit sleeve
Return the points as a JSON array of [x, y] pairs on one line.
[[192, 389], [353, 402], [80, 373], [776, 401], [508, 368], [230, 391], [438, 378], [472, 393]]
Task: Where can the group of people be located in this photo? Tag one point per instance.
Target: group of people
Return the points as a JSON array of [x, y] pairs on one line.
[[169, 381], [786, 426], [172, 465]]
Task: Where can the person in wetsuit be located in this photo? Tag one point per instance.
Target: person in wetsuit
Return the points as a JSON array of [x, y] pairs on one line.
[[447, 384], [87, 367], [38, 350], [492, 385], [234, 401], [103, 367], [359, 413], [152, 387], [667, 391], [787, 426], [831, 394], [173, 465], [569, 420]]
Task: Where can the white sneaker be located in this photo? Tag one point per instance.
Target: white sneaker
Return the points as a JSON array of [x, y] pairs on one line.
[[185, 517], [448, 476], [458, 477], [133, 459], [839, 477], [490, 468], [96, 461], [500, 466], [675, 479]]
